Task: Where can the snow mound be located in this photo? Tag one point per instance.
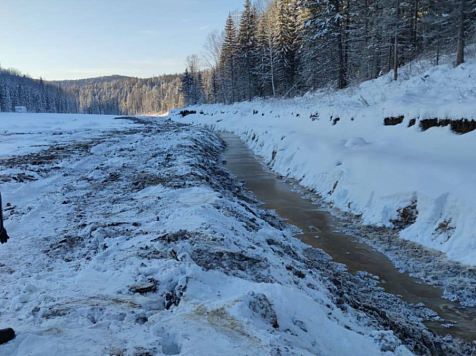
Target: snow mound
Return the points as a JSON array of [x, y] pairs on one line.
[[357, 141]]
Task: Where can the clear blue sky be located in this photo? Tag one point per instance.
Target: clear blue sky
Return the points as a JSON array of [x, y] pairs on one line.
[[71, 39]]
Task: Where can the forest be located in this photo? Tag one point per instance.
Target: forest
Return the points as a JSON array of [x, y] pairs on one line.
[[272, 48], [117, 95], [36, 95], [282, 48], [126, 95]]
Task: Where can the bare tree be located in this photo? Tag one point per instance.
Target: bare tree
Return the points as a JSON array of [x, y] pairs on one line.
[[212, 49], [265, 40], [193, 64]]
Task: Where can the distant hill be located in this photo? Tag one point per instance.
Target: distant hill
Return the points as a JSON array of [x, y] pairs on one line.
[[114, 94], [87, 81], [36, 95], [124, 95]]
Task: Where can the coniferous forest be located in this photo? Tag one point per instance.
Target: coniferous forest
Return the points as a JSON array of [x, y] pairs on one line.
[[282, 48], [272, 48], [105, 95], [36, 95], [126, 95]]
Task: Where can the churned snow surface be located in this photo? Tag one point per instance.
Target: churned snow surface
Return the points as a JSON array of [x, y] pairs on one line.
[[127, 240], [38, 131], [335, 144]]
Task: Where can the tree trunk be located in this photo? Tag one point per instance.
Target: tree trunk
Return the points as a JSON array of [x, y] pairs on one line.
[[366, 41], [395, 49], [233, 85], [415, 27], [340, 47], [346, 37], [438, 53], [460, 48], [395, 59], [390, 53], [271, 57]]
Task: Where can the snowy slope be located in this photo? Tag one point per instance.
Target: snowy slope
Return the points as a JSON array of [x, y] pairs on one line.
[[376, 171], [132, 240]]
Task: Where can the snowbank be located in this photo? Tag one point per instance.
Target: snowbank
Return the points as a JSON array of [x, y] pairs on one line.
[[136, 242], [335, 143]]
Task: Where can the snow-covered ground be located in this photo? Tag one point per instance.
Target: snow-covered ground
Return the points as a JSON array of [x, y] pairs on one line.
[[26, 133], [134, 240], [336, 145]]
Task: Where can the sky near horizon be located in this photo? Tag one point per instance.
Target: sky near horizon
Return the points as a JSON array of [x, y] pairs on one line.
[[73, 39]]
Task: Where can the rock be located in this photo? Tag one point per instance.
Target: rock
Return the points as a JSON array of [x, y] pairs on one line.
[[6, 335], [260, 305], [143, 288]]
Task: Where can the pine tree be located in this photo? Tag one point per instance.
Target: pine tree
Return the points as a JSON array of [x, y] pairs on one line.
[[5, 102], [214, 95], [285, 42], [247, 53], [199, 89], [323, 43], [461, 32], [187, 88], [228, 62], [267, 58], [436, 27]]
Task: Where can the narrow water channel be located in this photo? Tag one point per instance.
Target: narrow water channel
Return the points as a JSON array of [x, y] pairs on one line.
[[319, 231]]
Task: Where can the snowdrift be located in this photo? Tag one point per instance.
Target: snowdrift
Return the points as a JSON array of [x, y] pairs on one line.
[[371, 150]]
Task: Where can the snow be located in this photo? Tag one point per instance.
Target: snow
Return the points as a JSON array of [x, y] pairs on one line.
[[116, 206], [36, 130], [361, 166]]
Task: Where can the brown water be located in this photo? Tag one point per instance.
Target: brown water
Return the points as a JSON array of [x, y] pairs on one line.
[[319, 231]]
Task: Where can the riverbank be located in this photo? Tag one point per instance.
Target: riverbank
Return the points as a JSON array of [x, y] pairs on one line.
[[405, 191], [370, 150], [336, 236]]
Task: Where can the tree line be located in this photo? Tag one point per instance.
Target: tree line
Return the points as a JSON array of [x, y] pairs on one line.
[[272, 48], [114, 95], [36, 95], [279, 48], [126, 95]]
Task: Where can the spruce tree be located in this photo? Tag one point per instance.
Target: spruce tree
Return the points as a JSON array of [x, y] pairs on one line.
[[186, 89], [267, 58], [247, 53], [285, 39], [228, 62]]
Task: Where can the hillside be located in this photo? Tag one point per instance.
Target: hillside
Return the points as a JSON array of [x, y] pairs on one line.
[[126, 95], [17, 89], [115, 95], [88, 81], [370, 150]]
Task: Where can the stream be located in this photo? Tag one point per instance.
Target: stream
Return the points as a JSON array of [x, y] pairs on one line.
[[319, 231]]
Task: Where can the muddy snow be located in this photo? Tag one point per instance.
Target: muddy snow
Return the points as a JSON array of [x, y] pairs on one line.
[[129, 237]]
